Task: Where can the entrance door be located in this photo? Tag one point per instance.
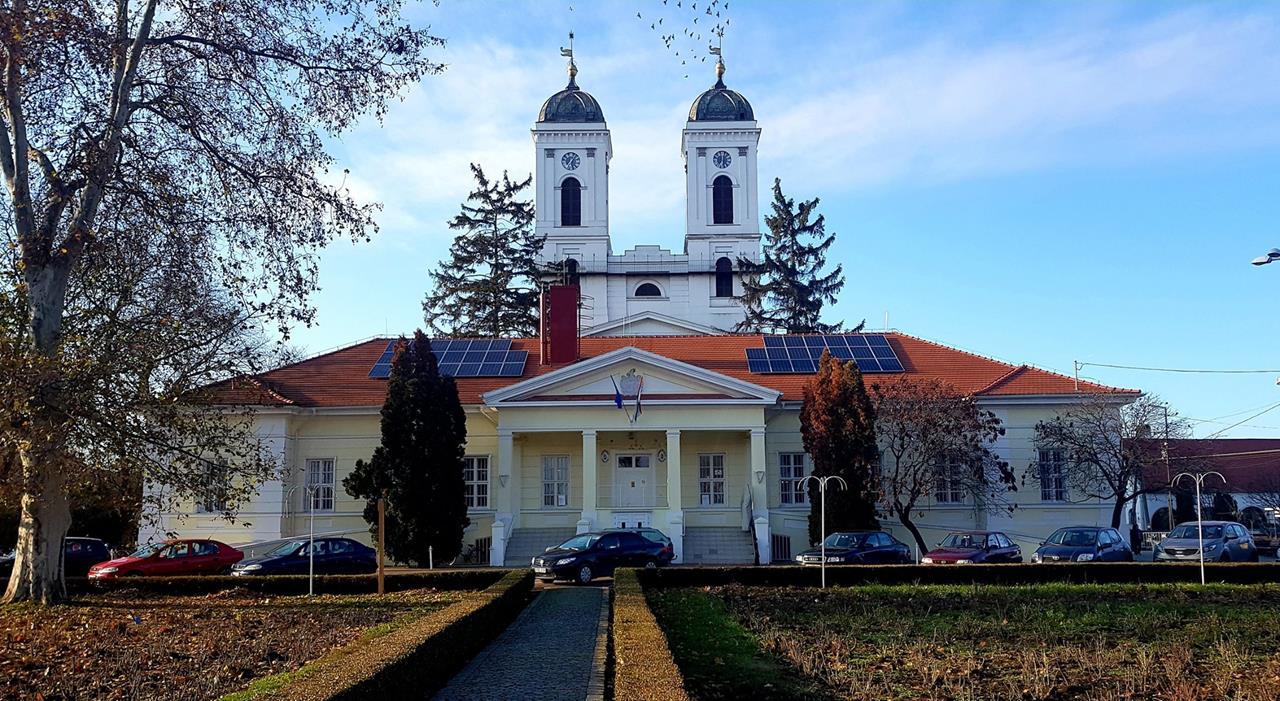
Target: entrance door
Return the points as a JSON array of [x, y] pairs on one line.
[[634, 475]]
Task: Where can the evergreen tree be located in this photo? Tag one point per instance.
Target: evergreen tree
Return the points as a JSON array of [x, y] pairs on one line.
[[489, 284], [419, 464], [838, 423], [786, 290]]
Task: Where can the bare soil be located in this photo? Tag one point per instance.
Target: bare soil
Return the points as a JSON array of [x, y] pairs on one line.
[[127, 645]]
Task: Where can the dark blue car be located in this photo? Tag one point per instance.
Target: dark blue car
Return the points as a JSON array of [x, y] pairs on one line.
[[332, 556], [1084, 544]]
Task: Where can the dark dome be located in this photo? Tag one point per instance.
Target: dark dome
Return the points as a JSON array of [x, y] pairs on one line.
[[571, 105], [720, 104]]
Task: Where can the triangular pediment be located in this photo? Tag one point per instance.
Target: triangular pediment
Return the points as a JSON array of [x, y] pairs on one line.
[[595, 381], [650, 324]]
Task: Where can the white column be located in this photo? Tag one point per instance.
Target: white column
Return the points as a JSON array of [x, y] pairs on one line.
[[759, 479], [589, 457], [506, 498], [675, 503]]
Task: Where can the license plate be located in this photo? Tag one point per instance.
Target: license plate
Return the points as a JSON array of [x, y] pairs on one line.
[[541, 570]]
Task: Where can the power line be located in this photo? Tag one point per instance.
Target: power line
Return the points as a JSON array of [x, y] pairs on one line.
[[1180, 370], [1224, 430]]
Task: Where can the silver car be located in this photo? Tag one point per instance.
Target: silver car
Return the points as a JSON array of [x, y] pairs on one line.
[[1224, 541]]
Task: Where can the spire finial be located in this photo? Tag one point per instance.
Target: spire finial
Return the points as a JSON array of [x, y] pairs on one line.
[[573, 67], [717, 52]]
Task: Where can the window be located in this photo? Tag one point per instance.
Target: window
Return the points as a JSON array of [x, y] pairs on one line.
[[640, 461], [791, 470], [176, 550], [570, 271], [475, 476], [555, 480], [205, 548], [1053, 477], [711, 479], [338, 547], [320, 484], [648, 289], [722, 200], [724, 277], [949, 481], [212, 495], [570, 203]]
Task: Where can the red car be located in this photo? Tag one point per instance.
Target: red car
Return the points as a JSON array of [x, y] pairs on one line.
[[170, 559], [972, 547]]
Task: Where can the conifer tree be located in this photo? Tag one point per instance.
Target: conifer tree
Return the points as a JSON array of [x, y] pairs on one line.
[[786, 290], [838, 424], [489, 284], [419, 464]]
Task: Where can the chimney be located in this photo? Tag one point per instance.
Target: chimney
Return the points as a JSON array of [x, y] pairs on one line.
[[559, 324]]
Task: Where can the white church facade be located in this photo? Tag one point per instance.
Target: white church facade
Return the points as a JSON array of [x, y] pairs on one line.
[[707, 446]]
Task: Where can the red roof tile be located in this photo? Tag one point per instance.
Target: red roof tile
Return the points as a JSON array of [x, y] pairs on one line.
[[341, 378]]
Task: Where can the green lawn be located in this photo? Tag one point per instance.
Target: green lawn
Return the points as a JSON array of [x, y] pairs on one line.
[[964, 642]]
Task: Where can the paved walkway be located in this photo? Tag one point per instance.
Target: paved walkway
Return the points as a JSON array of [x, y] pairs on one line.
[[554, 651]]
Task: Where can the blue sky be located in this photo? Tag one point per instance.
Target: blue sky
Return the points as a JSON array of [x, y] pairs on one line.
[[1037, 182]]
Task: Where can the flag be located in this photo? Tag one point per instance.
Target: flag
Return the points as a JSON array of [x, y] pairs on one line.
[[639, 391], [617, 393]]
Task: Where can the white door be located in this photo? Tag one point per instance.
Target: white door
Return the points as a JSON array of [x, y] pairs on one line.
[[634, 475]]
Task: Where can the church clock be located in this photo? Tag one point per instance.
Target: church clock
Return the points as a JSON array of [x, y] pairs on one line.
[[722, 159], [570, 161]]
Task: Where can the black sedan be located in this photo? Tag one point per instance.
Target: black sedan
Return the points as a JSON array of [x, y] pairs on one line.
[[78, 555], [586, 556], [1084, 544], [858, 548], [332, 556]]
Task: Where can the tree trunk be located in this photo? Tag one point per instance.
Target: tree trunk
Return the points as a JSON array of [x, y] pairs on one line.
[[1117, 510], [904, 516], [45, 519]]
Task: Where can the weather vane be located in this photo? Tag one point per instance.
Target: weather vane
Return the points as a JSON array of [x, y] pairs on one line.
[[568, 53]]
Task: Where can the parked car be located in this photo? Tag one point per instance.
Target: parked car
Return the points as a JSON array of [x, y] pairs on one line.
[[1224, 541], [1084, 544], [973, 547], [653, 534], [589, 555], [858, 548], [78, 555], [170, 558], [332, 556]]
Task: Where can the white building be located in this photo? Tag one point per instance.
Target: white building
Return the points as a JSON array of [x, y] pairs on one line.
[[710, 451]]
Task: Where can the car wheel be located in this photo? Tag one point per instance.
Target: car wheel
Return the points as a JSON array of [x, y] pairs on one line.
[[1255, 557], [134, 573], [585, 575], [651, 564]]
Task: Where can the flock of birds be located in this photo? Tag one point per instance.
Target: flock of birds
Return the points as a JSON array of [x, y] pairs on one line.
[[687, 44]]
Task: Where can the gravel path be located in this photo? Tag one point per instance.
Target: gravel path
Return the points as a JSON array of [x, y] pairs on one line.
[[554, 651]]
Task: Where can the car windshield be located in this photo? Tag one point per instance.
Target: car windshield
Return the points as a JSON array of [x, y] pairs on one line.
[[581, 542], [968, 541], [844, 540], [286, 549], [1074, 537], [147, 550], [1191, 532]]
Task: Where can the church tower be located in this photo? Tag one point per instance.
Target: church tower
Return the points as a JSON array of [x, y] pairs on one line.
[[571, 179]]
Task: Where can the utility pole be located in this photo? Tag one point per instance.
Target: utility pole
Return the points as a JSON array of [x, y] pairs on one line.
[[382, 541]]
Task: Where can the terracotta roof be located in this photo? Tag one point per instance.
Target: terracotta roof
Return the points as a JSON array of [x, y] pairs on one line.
[[341, 378], [1250, 465]]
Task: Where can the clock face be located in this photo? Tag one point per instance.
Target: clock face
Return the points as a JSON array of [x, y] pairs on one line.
[[570, 161], [722, 159]]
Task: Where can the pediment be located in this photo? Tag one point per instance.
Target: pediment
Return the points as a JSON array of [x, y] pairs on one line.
[[665, 380], [650, 324]]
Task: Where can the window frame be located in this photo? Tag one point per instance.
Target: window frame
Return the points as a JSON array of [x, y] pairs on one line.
[[1058, 493], [568, 207], [722, 200], [555, 494], [211, 497], [947, 487], [791, 489], [635, 293], [471, 483], [311, 496], [724, 278], [711, 481]]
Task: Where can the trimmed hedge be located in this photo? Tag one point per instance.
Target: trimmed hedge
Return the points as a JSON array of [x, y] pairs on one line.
[[852, 575], [643, 669], [417, 660], [443, 580]]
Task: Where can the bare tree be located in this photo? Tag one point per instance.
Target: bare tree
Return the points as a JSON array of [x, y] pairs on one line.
[[168, 188], [936, 438], [1108, 447]]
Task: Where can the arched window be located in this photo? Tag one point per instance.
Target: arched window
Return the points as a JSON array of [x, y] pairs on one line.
[[722, 200], [570, 202], [724, 278], [1253, 518], [648, 289], [570, 271]]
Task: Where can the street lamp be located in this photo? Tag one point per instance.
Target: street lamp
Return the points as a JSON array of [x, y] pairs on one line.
[[311, 545], [1199, 478], [822, 527], [1271, 257]]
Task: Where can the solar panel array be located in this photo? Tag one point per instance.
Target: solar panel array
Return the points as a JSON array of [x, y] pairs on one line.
[[799, 353], [464, 358]]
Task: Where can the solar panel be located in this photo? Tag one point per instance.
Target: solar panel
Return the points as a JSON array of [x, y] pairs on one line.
[[799, 353], [485, 357]]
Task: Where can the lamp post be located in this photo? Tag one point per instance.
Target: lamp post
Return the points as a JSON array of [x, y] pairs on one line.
[[311, 544], [822, 526], [1199, 478], [1271, 256]]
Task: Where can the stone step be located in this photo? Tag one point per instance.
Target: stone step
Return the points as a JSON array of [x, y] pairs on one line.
[[718, 546], [524, 543]]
